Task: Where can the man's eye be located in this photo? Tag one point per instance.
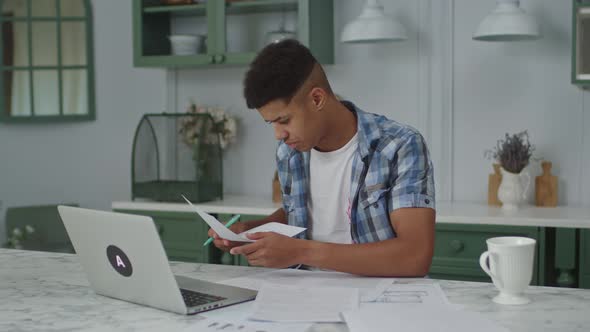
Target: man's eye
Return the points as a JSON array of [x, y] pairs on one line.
[[284, 121]]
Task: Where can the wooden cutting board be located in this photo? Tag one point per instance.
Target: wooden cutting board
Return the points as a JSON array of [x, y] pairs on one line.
[[494, 181], [546, 187], [277, 197]]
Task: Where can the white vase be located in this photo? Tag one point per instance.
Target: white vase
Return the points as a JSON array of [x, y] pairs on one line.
[[513, 189]]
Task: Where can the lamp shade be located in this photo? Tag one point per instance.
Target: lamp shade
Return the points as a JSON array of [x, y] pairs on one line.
[[372, 25], [508, 22]]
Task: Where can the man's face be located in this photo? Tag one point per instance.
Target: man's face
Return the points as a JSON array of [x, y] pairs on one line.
[[295, 122]]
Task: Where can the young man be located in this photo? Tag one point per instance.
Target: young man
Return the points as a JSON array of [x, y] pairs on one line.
[[362, 184]]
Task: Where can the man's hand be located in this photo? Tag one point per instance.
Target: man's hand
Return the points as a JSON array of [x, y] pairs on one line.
[[226, 245], [270, 250]]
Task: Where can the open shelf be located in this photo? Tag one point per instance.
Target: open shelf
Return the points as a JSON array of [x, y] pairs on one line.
[[260, 6], [232, 8], [194, 9]]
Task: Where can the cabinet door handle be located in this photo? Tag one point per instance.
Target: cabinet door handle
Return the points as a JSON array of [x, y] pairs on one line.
[[219, 58], [457, 245]]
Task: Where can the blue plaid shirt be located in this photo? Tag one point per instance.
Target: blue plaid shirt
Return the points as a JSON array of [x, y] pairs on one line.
[[391, 169]]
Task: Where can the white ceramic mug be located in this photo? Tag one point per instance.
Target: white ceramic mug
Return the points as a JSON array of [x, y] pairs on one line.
[[510, 260]]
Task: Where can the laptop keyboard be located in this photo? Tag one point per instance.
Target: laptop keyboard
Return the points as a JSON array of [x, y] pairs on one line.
[[193, 299]]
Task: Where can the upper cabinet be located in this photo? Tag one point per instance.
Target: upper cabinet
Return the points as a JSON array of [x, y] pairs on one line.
[[581, 43], [218, 32], [47, 61]]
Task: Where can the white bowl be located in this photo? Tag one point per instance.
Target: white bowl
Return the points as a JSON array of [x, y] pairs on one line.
[[186, 44]]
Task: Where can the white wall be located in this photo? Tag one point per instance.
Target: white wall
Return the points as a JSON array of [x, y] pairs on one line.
[[461, 93], [509, 87], [87, 163], [379, 78]]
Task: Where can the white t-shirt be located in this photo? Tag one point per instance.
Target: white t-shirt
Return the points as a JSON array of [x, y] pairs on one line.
[[328, 204]]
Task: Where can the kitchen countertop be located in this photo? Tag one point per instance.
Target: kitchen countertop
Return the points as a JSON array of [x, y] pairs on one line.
[[446, 212]]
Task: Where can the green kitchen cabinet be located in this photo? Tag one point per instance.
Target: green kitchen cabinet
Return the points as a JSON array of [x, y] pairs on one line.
[[456, 251], [585, 259], [182, 235], [234, 31], [37, 228], [565, 249], [458, 247]]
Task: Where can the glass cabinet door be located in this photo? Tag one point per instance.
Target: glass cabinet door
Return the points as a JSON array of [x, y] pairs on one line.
[[235, 30], [250, 25], [581, 43], [173, 32], [583, 51]]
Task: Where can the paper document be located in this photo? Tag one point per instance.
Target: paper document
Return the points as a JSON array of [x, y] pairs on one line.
[[369, 288], [227, 234], [387, 317], [292, 304], [217, 325], [413, 293]]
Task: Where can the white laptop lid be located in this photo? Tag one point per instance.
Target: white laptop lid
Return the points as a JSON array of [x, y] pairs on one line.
[[123, 257]]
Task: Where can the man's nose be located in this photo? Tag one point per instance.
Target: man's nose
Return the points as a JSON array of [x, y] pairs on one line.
[[280, 132]]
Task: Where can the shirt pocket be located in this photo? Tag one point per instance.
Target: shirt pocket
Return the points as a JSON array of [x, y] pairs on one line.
[[376, 198]]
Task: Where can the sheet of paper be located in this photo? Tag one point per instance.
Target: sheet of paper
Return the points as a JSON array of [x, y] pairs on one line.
[[226, 233], [412, 293], [276, 227], [293, 304], [369, 288], [217, 325], [240, 311], [387, 317]]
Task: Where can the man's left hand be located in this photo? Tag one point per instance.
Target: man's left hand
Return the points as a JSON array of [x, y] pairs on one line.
[[270, 250]]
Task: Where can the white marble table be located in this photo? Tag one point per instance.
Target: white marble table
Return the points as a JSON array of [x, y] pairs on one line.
[[49, 292]]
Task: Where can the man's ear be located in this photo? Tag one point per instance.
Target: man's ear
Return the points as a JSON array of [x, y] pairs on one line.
[[318, 98]]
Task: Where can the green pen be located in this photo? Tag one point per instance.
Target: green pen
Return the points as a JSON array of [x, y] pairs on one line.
[[231, 222]]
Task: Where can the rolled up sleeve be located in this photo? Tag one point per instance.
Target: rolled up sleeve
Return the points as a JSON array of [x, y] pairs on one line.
[[412, 175]]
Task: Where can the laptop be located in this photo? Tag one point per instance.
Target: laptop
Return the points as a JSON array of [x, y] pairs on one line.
[[123, 258]]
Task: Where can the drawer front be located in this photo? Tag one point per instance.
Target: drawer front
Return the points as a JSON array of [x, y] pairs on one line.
[[457, 249], [585, 258], [192, 256], [182, 234]]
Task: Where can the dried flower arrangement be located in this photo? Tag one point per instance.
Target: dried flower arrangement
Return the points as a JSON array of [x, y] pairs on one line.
[[513, 152], [223, 124]]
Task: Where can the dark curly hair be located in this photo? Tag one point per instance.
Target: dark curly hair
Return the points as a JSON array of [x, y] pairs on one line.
[[277, 72]]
